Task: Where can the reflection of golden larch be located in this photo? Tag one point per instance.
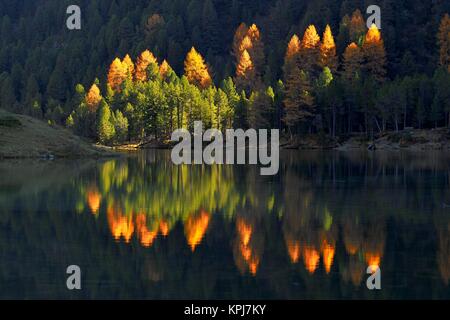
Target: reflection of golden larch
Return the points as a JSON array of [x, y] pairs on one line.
[[195, 228]]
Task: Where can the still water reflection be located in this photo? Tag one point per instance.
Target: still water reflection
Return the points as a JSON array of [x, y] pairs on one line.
[[140, 227]]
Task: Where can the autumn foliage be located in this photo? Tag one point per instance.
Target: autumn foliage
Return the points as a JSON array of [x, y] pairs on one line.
[[196, 70], [116, 75], [142, 63]]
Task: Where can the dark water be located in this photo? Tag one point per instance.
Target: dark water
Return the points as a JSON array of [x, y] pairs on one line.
[[140, 227]]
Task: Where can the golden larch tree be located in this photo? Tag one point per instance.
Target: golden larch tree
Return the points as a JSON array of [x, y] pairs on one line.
[[256, 50], [164, 68], [309, 52], [245, 72], [129, 66], [444, 42], [291, 56], [93, 98], [352, 62], [142, 63], [239, 35], [374, 54], [246, 44], [196, 70], [328, 56], [116, 75]]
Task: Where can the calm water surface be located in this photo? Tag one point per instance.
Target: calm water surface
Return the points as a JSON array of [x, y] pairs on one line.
[[140, 227]]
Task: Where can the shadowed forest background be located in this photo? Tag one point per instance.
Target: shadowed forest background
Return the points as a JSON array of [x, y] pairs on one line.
[[141, 69]]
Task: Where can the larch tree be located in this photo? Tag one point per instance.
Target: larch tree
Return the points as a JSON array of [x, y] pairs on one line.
[[309, 52], [299, 103], [93, 98], [374, 54], [352, 62], [328, 56], [256, 50], [195, 69], [116, 75], [444, 42], [143, 61], [291, 56], [128, 65], [239, 35], [164, 69], [357, 27], [245, 72]]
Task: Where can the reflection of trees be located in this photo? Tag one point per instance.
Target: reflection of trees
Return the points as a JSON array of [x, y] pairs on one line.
[[443, 250]]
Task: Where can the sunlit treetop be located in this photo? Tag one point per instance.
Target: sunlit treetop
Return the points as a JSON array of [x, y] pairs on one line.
[[373, 34], [164, 68], [239, 35], [128, 65], [116, 75], [311, 38], [246, 44], [245, 65], [142, 63], [328, 39], [253, 33], [93, 98], [293, 47], [196, 70]]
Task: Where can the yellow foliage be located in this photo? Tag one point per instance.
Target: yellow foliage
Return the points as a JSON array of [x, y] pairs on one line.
[[142, 63], [196, 70]]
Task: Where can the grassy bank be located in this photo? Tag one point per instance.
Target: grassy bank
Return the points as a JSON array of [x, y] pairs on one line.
[[26, 137]]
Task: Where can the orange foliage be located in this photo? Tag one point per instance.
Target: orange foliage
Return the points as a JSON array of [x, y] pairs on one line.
[[143, 61], [93, 199], [311, 39], [328, 251], [164, 228], [245, 233], [164, 69], [245, 66], [294, 250], [293, 48], [146, 236], [352, 60], [196, 227], [120, 225], [196, 70], [93, 98], [116, 75], [239, 35], [246, 44], [328, 56], [374, 53], [373, 260], [311, 258]]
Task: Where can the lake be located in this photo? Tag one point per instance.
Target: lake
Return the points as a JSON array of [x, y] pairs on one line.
[[140, 227]]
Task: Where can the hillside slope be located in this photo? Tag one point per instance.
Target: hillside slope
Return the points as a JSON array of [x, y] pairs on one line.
[[25, 137]]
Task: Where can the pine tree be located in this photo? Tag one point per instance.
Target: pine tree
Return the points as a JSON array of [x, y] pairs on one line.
[[116, 75], [444, 42], [374, 54], [196, 70], [352, 62], [143, 61], [105, 126], [328, 56]]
